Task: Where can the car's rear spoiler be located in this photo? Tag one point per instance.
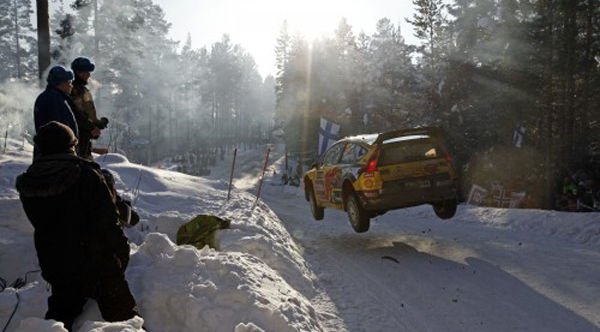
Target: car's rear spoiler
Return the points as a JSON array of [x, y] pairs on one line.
[[431, 131]]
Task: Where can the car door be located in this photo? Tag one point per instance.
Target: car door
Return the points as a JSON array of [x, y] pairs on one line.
[[350, 165], [328, 176]]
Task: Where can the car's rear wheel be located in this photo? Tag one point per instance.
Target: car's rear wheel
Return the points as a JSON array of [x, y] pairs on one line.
[[445, 209], [317, 211], [359, 218]]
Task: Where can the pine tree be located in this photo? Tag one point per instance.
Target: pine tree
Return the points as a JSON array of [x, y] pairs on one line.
[[224, 76], [133, 58], [362, 81], [429, 24], [393, 78], [345, 58], [282, 57], [17, 42]]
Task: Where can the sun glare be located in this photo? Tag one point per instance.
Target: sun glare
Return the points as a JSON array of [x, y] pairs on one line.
[[310, 18], [256, 24]]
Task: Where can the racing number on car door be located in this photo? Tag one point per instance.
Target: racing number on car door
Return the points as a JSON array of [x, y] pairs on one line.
[[329, 174]]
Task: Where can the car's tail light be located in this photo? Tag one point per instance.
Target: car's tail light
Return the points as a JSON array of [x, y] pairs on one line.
[[371, 165]]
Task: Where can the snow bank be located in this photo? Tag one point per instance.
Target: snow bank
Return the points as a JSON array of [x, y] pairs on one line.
[[581, 228], [213, 291], [166, 200], [575, 227], [33, 324], [257, 281]]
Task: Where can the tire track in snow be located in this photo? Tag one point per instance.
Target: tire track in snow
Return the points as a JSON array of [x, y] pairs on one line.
[[373, 302], [363, 298]]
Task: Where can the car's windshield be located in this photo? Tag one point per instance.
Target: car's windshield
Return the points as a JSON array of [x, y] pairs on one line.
[[404, 150]]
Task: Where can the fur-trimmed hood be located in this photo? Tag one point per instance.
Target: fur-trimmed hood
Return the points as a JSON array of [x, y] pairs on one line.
[[49, 176]]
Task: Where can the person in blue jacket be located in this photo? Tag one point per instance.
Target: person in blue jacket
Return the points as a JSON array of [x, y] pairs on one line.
[[53, 104]]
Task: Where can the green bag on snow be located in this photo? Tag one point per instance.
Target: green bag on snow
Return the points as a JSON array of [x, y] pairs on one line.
[[201, 230]]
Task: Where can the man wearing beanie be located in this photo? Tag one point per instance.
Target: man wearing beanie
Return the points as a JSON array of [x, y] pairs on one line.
[[89, 124], [81, 250], [53, 103]]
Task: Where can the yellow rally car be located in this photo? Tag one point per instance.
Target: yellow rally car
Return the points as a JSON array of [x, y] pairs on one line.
[[367, 175]]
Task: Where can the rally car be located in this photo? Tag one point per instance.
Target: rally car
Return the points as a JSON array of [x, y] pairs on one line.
[[367, 175]]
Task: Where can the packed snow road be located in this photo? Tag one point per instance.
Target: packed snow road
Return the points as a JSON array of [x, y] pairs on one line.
[[484, 270]]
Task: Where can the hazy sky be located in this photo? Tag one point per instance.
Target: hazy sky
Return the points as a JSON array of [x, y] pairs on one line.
[[255, 24]]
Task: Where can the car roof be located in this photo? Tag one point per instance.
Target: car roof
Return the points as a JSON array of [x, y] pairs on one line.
[[371, 139], [368, 138]]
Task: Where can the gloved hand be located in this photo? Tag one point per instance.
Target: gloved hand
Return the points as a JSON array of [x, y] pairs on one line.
[[103, 123], [135, 218], [127, 215]]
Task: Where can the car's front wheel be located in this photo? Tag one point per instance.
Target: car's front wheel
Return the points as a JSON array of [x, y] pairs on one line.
[[359, 218], [445, 209], [317, 211]]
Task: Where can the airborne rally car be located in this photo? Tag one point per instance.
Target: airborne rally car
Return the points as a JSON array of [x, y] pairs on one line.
[[367, 175]]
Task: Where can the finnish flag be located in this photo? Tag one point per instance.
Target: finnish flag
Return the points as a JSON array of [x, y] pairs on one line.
[[328, 134]]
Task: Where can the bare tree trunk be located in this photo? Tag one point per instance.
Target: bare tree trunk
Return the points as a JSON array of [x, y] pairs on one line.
[[548, 108], [43, 33], [17, 42], [432, 98], [569, 108], [356, 117], [171, 140], [98, 100], [588, 60], [96, 41], [150, 138]]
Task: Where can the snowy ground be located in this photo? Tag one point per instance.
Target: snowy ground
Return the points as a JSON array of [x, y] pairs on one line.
[[279, 270]]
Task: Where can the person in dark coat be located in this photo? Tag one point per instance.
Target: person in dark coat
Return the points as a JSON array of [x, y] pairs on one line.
[[87, 120], [53, 103], [81, 250]]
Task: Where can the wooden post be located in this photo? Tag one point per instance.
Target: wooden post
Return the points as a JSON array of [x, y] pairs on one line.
[[262, 176], [286, 160], [136, 190], [231, 175], [5, 139]]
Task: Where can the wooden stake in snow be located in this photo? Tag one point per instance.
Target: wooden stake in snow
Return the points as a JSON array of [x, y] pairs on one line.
[[136, 191], [231, 175], [262, 176], [5, 139]]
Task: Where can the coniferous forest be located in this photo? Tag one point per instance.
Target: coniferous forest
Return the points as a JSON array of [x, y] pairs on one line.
[[484, 70]]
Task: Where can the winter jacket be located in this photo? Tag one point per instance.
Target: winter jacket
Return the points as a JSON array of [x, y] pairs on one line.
[[74, 217], [82, 98], [53, 105], [83, 105]]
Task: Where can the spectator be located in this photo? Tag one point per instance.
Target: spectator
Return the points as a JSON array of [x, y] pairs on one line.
[[53, 104], [84, 108], [81, 250]]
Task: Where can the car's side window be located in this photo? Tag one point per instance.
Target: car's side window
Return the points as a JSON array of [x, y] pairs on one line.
[[333, 155], [352, 153]]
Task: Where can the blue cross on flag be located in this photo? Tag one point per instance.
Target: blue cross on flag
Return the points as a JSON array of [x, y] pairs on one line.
[[328, 134]]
